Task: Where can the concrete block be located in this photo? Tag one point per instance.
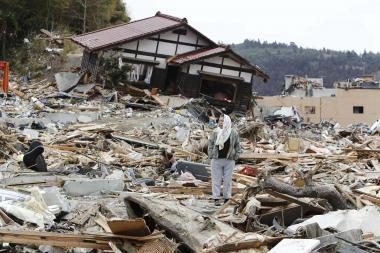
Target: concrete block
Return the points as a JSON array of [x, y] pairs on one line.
[[92, 186]]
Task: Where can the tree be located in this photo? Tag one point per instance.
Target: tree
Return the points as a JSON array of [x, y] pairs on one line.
[[96, 14], [24, 18], [9, 26], [279, 59]]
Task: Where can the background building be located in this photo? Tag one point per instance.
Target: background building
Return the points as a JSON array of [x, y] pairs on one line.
[[351, 102]]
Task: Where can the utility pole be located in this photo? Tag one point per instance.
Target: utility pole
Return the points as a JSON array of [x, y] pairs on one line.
[[84, 4]]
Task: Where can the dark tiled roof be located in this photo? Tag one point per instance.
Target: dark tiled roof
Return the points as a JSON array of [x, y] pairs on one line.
[[209, 52], [195, 55], [126, 32]]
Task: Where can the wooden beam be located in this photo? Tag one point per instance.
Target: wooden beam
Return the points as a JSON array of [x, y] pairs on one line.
[[292, 156], [188, 190], [327, 192], [114, 247], [362, 150], [244, 179], [52, 37], [102, 221], [136, 141], [295, 200], [158, 100], [249, 156], [38, 178], [176, 44], [373, 198], [69, 240], [56, 239]]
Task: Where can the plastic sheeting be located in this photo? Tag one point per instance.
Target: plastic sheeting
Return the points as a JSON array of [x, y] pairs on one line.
[[291, 112], [367, 219], [295, 245]]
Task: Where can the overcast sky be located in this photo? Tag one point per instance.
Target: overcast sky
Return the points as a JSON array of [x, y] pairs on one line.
[[333, 24]]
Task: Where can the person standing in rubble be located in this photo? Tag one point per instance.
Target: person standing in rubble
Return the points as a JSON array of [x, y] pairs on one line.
[[223, 150]]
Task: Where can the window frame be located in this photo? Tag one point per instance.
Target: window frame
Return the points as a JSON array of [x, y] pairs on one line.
[[310, 109], [358, 109]]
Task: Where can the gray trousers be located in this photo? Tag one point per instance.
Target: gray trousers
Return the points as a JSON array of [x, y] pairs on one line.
[[221, 169]]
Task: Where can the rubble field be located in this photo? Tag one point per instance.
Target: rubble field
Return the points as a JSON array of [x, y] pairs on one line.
[[128, 172]]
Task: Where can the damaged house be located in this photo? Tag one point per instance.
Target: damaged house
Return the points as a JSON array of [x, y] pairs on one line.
[[167, 53]]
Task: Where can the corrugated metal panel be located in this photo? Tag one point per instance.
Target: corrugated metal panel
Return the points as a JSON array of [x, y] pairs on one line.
[[126, 32], [197, 54]]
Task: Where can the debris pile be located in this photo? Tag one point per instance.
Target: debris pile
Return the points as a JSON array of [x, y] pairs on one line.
[[87, 167]]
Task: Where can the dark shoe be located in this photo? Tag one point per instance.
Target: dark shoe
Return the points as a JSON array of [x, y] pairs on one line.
[[33, 158], [225, 200], [217, 202]]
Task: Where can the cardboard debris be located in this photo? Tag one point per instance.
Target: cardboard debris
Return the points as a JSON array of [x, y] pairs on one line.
[[134, 227]]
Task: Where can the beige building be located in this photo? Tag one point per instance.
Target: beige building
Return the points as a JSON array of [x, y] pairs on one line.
[[346, 106]]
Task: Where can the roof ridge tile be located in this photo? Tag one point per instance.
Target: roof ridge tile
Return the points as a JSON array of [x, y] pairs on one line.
[[163, 15]]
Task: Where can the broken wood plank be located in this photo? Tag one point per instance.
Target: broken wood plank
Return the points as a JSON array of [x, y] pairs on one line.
[[327, 192], [371, 198], [296, 200], [367, 196], [129, 248], [69, 240], [158, 100], [136, 141], [193, 155], [65, 148], [221, 210], [56, 239], [244, 179], [249, 156], [362, 150], [82, 218], [375, 164], [95, 127], [345, 194], [188, 190], [134, 91], [6, 219], [291, 156], [51, 36], [359, 203], [114, 247], [67, 138], [102, 221], [17, 92], [133, 227], [30, 179]]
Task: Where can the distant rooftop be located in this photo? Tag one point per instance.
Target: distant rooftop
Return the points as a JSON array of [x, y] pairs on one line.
[[323, 92]]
